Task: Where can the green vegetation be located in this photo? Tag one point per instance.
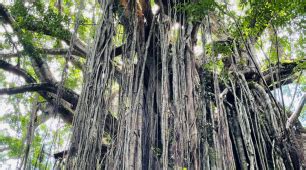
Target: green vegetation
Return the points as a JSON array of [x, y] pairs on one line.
[[35, 43]]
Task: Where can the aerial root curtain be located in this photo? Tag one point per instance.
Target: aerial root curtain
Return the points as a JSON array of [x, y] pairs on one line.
[[172, 112]]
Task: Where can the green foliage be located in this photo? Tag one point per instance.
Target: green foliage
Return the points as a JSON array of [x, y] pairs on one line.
[[118, 38], [73, 81], [301, 66], [222, 48], [198, 10], [261, 13], [13, 143], [39, 19], [302, 82], [214, 65], [49, 22], [32, 23], [14, 138], [300, 47]]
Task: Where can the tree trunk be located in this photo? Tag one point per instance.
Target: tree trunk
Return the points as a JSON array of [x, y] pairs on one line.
[[173, 113]]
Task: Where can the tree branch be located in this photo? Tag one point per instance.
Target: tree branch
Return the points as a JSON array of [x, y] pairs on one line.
[[65, 112], [41, 68], [35, 87], [74, 60], [286, 73], [68, 95], [17, 71], [5, 14], [294, 117], [4, 149], [59, 51], [80, 48], [39, 26]]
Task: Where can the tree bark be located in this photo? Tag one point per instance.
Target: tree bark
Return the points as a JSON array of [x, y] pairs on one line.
[[172, 113]]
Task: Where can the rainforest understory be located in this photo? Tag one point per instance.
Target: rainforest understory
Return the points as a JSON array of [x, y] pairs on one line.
[[152, 101]]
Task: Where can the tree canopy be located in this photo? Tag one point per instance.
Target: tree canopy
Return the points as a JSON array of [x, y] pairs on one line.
[[46, 61]]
